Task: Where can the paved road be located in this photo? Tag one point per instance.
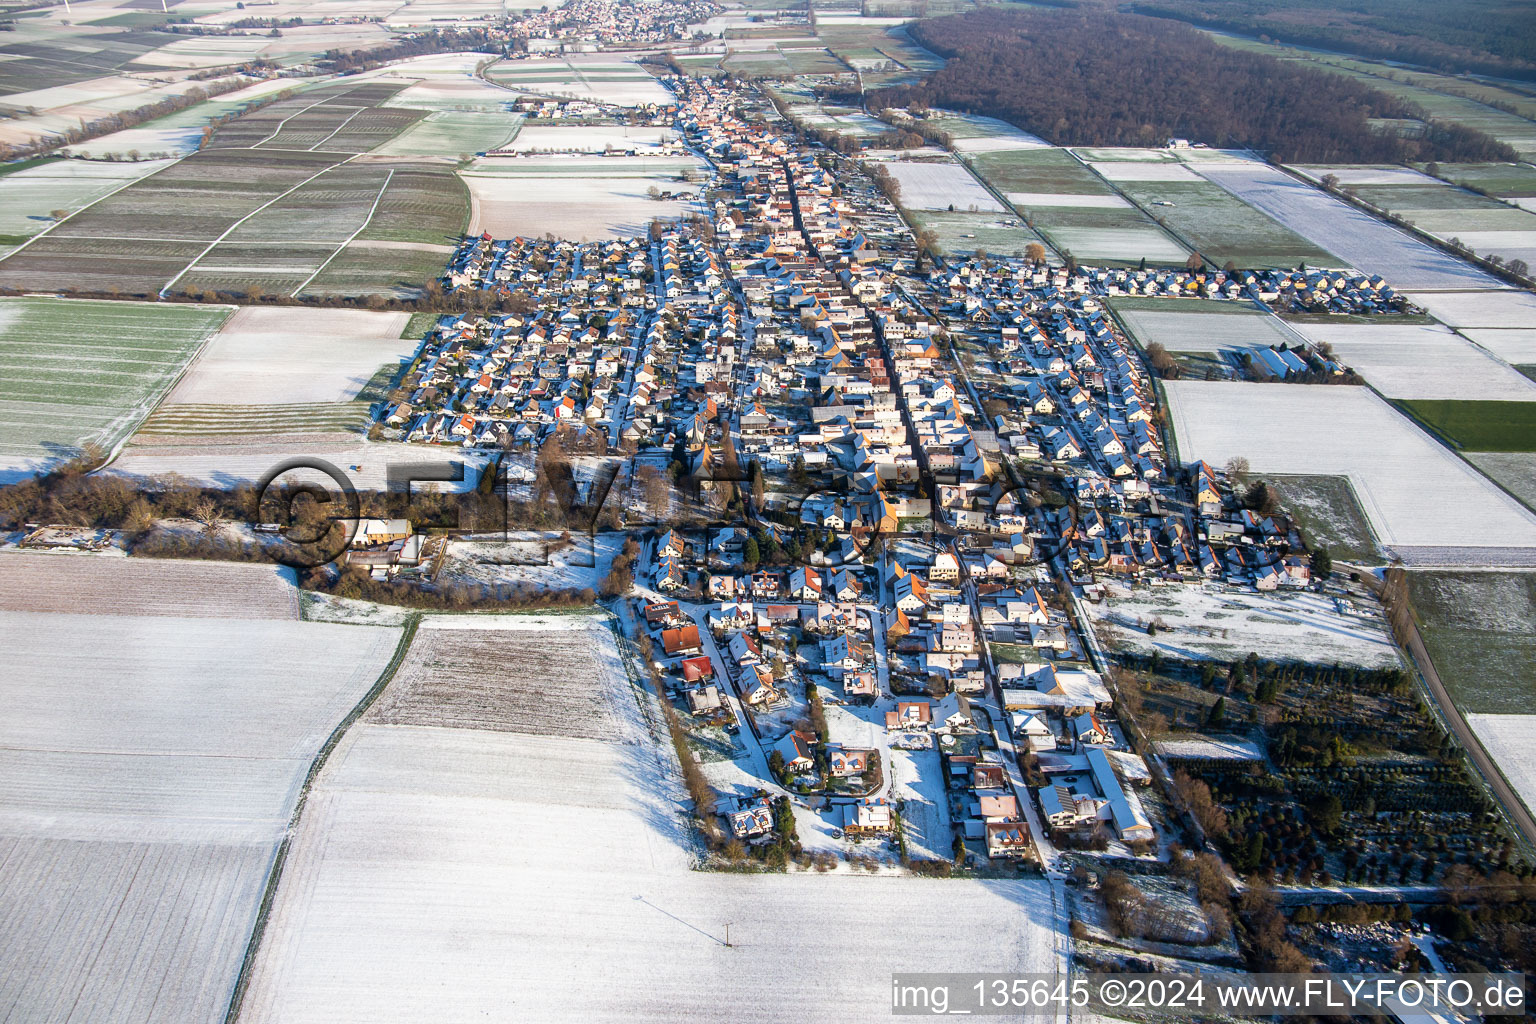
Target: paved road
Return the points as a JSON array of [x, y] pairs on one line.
[[1514, 808]]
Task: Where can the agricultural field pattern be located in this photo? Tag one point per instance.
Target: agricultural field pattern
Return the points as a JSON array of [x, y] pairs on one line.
[[757, 510]]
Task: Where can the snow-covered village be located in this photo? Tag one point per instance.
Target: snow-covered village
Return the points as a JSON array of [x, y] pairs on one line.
[[690, 510]]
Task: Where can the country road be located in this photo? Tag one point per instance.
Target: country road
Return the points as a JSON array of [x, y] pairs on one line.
[[1514, 808]]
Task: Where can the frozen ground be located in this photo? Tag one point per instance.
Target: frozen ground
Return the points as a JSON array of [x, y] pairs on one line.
[[1415, 492], [1352, 235], [550, 877], [1422, 361], [273, 355], [1227, 624], [151, 766], [1511, 741]]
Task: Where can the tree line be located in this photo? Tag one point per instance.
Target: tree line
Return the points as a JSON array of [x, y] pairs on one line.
[[1104, 79], [1482, 36]]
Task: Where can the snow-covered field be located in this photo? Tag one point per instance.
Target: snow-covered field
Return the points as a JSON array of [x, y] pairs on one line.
[[1508, 309], [597, 77], [1209, 748], [1514, 471], [1032, 199], [1512, 346], [59, 582], [1206, 332], [1372, 175], [1414, 491], [561, 679], [29, 197], [939, 185], [365, 464], [459, 875], [1422, 361], [1511, 741], [274, 355], [543, 138], [1215, 621], [151, 766], [1118, 243], [529, 557], [613, 203], [1140, 170], [1354, 236]]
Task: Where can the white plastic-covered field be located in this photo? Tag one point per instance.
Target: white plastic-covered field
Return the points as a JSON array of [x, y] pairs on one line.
[[1511, 741], [1353, 235], [1504, 309], [1225, 623], [453, 873], [1422, 361], [1415, 492], [152, 765], [273, 355], [939, 185], [99, 585], [1185, 331]]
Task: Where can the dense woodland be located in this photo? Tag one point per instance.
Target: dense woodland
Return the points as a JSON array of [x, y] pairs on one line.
[[1094, 79], [1496, 37]]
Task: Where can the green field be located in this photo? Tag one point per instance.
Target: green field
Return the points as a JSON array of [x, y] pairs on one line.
[[1510, 181], [1116, 235], [1330, 516], [973, 232], [1480, 628], [78, 372], [1479, 426], [1446, 210], [1038, 170], [1222, 227], [189, 424], [454, 133]]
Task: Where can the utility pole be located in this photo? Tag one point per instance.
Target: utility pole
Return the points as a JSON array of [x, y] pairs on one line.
[[727, 935]]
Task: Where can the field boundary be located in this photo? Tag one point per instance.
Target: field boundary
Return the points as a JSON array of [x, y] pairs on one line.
[[231, 229], [279, 860]]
